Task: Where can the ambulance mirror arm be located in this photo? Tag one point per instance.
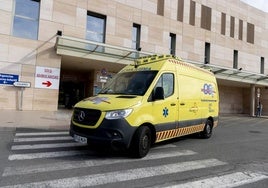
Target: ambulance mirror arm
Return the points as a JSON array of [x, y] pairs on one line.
[[159, 94]]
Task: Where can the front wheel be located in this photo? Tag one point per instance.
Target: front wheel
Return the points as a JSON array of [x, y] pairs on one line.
[[141, 142], [207, 132]]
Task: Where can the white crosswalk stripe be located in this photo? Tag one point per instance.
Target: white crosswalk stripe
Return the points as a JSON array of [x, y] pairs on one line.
[[43, 133], [52, 138], [88, 163], [28, 156], [45, 146], [28, 146], [111, 177], [224, 181]]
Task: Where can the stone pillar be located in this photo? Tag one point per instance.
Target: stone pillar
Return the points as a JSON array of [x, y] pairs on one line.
[[252, 99]]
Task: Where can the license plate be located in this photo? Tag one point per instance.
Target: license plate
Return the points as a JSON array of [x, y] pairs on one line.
[[80, 139]]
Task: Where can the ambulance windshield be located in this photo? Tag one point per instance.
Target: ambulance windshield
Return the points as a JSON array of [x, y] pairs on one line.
[[130, 83]]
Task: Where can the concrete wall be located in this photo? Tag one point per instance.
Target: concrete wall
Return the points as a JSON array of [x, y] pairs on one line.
[[264, 100], [22, 58], [236, 100], [231, 100]]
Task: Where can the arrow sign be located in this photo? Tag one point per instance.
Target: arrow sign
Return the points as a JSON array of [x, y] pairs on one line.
[[47, 77], [47, 83]]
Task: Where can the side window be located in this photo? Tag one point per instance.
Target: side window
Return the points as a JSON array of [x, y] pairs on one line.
[[167, 82]]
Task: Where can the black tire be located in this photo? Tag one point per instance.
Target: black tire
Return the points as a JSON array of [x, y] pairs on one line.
[[141, 142], [207, 132]]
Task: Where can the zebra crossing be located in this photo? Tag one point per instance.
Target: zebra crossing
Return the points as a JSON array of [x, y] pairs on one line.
[[53, 159]]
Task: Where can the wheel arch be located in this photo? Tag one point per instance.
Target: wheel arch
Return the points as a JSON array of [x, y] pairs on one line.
[[211, 119], [152, 129]]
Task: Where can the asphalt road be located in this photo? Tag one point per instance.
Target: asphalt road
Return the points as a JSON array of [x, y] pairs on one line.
[[235, 156]]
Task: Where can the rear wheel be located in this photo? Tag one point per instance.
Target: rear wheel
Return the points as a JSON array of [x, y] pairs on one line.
[[207, 132], [141, 142]]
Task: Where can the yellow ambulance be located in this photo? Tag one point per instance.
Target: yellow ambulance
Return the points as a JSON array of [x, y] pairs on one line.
[[154, 99]]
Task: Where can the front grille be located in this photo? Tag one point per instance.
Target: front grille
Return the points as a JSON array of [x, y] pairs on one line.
[[86, 116]]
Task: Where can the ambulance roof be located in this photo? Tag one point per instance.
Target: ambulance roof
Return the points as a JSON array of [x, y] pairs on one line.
[[153, 58], [170, 58]]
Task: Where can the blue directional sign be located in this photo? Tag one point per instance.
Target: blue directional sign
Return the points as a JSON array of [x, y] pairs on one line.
[[8, 79]]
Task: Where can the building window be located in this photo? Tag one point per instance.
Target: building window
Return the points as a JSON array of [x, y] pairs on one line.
[[232, 26], [96, 26], [235, 59], [250, 33], [192, 13], [206, 17], [172, 38], [262, 65], [160, 7], [26, 19], [240, 33], [180, 10], [223, 23], [136, 33], [207, 53]]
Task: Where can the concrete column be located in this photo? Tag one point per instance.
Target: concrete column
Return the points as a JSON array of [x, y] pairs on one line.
[[252, 99]]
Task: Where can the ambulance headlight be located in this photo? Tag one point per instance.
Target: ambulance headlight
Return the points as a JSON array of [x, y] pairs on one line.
[[118, 114]]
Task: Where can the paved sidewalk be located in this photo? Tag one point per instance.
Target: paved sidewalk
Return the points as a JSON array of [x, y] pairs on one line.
[[35, 119]]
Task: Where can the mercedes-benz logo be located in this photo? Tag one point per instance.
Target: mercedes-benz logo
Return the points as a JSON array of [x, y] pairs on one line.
[[81, 116]]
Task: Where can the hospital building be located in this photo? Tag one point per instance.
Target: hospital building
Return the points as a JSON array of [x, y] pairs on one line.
[[54, 53]]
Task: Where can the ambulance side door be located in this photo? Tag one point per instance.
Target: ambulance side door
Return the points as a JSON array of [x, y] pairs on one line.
[[166, 110]]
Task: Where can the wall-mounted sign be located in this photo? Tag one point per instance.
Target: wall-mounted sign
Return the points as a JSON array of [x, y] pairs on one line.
[[8, 79], [22, 84], [47, 77], [103, 79]]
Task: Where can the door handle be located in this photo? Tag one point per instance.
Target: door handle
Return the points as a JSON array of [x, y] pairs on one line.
[[182, 104], [172, 104]]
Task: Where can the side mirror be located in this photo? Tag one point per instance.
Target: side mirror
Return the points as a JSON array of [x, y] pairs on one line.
[[159, 93]]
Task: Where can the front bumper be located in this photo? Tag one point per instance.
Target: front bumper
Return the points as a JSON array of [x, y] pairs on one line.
[[114, 133]]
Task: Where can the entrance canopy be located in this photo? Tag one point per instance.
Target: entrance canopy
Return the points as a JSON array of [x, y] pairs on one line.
[[74, 47], [226, 73], [96, 51]]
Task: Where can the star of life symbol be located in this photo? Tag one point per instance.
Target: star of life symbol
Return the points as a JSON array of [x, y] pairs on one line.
[[165, 112]]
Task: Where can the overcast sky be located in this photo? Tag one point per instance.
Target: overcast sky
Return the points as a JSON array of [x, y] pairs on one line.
[[260, 4]]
